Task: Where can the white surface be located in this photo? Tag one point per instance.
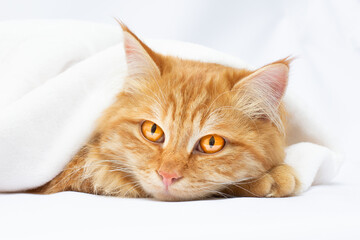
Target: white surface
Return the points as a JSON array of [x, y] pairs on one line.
[[325, 37], [327, 212]]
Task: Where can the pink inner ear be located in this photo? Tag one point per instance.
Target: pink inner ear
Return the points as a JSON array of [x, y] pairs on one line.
[[128, 49], [138, 60], [270, 82], [259, 94], [133, 49], [130, 44], [277, 76]]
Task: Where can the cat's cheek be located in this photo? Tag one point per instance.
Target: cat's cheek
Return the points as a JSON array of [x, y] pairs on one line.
[[150, 183]]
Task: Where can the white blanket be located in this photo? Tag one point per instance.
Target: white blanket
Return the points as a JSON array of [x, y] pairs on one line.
[[57, 77]]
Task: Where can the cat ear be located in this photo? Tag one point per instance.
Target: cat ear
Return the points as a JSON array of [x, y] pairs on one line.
[[268, 83], [260, 93], [143, 64]]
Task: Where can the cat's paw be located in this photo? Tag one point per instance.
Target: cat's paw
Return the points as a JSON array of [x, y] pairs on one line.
[[283, 182], [278, 182]]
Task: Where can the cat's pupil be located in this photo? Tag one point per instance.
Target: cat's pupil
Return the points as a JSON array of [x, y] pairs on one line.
[[212, 141], [153, 129]]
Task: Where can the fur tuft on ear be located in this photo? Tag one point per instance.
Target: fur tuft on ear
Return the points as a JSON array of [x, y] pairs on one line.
[[259, 94], [143, 63], [286, 61]]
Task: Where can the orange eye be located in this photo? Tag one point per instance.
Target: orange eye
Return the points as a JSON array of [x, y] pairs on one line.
[[212, 143], [151, 131]]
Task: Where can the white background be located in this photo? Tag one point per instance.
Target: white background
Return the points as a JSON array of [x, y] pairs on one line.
[[323, 35]]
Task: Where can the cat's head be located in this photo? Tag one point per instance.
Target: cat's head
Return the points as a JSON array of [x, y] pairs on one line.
[[184, 129]]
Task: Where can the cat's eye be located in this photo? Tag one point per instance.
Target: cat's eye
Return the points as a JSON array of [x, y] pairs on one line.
[[152, 131], [211, 143]]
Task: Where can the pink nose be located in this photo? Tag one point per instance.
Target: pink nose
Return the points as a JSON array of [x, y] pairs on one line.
[[169, 178]]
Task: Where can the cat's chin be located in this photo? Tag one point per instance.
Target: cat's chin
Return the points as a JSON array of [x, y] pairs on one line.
[[172, 196], [167, 197]]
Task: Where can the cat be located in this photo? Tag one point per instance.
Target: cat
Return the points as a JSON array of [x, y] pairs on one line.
[[185, 130]]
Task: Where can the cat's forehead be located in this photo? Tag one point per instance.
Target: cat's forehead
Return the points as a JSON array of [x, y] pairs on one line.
[[201, 74], [193, 85]]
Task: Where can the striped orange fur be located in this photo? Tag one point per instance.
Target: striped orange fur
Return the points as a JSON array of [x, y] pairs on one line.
[[187, 100]]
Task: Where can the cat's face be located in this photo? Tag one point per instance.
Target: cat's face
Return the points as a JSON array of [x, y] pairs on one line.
[[186, 130]]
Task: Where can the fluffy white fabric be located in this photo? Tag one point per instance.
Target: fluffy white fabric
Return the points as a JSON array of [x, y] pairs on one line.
[[56, 79]]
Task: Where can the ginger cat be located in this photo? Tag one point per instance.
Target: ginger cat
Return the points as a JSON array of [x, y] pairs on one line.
[[183, 130]]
